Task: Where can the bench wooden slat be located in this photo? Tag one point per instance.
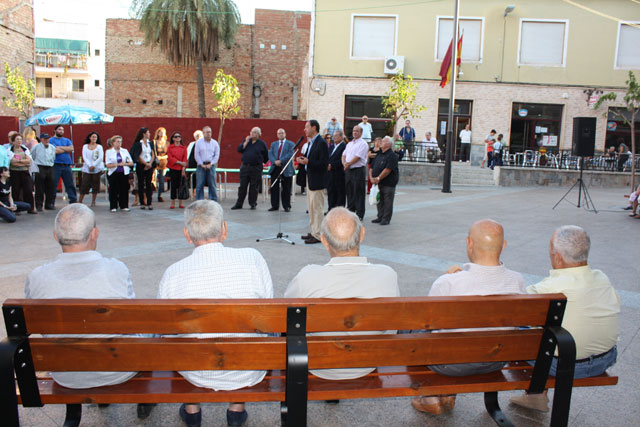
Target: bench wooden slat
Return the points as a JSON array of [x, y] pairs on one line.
[[170, 387], [74, 316], [136, 354]]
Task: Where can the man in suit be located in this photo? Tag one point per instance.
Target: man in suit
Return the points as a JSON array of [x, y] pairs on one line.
[[315, 162], [279, 154], [335, 189]]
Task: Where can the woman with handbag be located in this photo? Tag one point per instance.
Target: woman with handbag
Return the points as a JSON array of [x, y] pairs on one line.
[[143, 155], [177, 164]]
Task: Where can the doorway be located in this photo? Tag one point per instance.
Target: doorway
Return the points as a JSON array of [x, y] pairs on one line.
[[461, 117]]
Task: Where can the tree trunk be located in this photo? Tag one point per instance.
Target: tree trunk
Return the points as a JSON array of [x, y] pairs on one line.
[[200, 81], [220, 131]]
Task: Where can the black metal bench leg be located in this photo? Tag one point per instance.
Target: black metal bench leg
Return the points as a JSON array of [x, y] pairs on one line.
[[8, 396], [564, 377], [293, 411], [493, 407]]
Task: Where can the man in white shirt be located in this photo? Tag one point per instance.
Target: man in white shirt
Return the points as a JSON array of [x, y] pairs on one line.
[[216, 271], [465, 143], [484, 275], [346, 275], [367, 130], [592, 311], [354, 160], [44, 155], [206, 155], [332, 126]]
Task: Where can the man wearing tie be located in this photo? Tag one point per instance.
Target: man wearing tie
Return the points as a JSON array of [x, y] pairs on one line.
[[279, 154], [315, 162], [335, 190]]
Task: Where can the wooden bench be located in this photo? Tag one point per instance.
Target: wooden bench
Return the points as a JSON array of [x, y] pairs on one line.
[[401, 358]]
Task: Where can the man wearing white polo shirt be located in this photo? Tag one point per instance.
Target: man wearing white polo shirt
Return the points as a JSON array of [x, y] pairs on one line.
[[354, 160]]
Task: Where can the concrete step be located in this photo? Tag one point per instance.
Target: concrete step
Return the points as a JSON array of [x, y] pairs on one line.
[[463, 174]]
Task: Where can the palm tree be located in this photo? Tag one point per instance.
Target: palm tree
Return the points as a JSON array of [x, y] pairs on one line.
[[188, 31]]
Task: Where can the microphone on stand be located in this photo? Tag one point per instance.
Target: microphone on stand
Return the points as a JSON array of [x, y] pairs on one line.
[[298, 143]]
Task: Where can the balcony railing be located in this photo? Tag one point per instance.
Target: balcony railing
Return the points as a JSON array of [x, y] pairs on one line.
[[66, 61]]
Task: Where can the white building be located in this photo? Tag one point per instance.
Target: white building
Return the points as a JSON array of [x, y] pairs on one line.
[[69, 60]]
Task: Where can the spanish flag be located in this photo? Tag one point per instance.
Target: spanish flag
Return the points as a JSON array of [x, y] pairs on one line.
[[445, 69]]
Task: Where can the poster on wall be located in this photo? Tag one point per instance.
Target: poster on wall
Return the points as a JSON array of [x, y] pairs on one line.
[[550, 141], [443, 127]]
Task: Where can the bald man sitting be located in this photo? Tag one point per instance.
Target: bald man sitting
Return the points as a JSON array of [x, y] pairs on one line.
[[346, 275], [484, 275]]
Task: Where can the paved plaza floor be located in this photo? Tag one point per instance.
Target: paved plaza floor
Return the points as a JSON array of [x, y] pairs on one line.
[[427, 235]]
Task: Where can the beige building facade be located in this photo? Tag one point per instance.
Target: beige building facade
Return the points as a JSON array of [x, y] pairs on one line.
[[527, 72]]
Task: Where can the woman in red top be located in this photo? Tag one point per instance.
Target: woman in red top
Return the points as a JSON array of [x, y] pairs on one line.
[[177, 163]]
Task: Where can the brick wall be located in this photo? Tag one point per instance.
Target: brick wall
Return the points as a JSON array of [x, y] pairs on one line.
[[16, 43], [136, 72]]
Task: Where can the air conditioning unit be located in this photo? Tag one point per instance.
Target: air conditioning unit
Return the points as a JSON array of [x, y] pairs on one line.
[[393, 64]]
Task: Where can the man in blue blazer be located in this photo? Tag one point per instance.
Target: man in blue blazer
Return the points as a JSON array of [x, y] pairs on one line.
[[279, 154], [336, 187]]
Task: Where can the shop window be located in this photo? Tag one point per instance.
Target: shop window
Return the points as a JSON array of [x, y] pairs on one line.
[[471, 42], [373, 36], [44, 87], [78, 85], [357, 106], [535, 126], [543, 42], [627, 52]]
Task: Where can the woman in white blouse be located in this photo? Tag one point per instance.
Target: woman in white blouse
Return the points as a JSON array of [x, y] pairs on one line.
[[92, 166], [119, 163]]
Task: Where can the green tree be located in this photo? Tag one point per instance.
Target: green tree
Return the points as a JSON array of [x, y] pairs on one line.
[[226, 93], [632, 105], [400, 101], [22, 91], [188, 31]]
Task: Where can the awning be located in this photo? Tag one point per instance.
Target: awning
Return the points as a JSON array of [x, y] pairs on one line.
[[61, 46]]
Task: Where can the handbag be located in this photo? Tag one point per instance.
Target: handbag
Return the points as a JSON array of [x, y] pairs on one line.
[[183, 190]]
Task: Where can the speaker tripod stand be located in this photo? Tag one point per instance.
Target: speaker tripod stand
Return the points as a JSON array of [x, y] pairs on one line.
[[280, 235], [582, 187]]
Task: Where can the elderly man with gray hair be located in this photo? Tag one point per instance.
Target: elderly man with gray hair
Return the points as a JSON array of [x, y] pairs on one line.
[[346, 275], [592, 311], [81, 272], [216, 271], [254, 155], [384, 173]]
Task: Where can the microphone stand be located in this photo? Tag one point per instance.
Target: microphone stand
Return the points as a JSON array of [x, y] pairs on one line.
[[280, 235]]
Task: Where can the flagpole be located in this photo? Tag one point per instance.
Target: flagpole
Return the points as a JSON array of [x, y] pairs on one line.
[[451, 145]]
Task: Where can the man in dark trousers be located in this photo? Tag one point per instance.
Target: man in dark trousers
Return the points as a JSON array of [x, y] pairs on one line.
[[279, 154], [384, 173], [315, 162], [254, 155], [335, 189]]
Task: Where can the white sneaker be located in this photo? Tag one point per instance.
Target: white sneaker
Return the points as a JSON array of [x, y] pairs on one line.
[[114, 210], [537, 402], [126, 209]]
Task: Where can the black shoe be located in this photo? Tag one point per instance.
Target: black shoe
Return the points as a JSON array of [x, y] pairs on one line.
[[50, 208], [160, 199], [376, 221], [144, 410], [272, 209], [306, 236], [287, 209], [236, 419], [628, 208], [234, 207], [73, 415], [253, 207], [311, 241], [143, 207], [39, 209], [384, 222], [150, 207], [192, 420]]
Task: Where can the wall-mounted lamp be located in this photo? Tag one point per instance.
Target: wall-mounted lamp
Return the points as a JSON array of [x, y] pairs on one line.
[[509, 9]]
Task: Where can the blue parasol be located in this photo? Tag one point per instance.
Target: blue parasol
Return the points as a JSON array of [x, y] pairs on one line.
[[69, 114]]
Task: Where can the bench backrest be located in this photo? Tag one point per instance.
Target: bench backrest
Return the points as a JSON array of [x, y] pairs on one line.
[[25, 318]]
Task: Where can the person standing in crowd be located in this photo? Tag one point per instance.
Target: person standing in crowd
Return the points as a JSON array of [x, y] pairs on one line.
[[408, 136], [333, 125], [488, 144], [254, 155], [497, 152], [279, 154], [207, 153], [143, 154], [354, 161], [177, 164], [92, 167], [44, 155], [5, 156], [160, 141], [465, 143], [367, 130], [8, 207], [63, 163], [216, 271], [384, 174], [315, 162], [336, 195], [191, 161], [623, 155], [21, 184], [29, 138], [119, 163]]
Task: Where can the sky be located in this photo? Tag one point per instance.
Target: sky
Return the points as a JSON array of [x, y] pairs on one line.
[[76, 10]]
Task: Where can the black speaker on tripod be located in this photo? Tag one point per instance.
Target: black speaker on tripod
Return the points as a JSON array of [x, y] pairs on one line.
[[584, 136]]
